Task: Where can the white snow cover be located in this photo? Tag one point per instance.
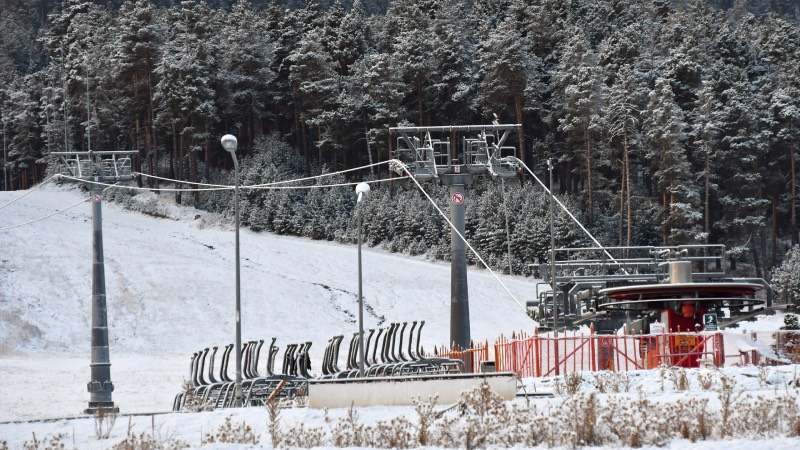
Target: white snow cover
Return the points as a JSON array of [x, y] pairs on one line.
[[170, 292]]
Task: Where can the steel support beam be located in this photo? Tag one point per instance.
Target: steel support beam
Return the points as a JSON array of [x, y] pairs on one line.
[[459, 294], [100, 387]]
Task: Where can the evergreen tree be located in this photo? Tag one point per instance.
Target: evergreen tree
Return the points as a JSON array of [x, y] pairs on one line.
[[786, 278], [665, 132], [740, 157], [577, 98], [623, 133], [186, 94], [76, 42], [453, 77], [246, 75], [378, 90], [508, 73], [315, 87], [707, 131], [135, 52], [411, 50], [21, 144]]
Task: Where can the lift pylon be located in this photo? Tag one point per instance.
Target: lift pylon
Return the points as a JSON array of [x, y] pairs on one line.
[[427, 153], [95, 167]]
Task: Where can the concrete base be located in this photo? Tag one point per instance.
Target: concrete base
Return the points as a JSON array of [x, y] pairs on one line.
[[391, 391]]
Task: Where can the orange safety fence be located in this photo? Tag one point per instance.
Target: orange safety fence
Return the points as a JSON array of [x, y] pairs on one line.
[[472, 357], [548, 355]]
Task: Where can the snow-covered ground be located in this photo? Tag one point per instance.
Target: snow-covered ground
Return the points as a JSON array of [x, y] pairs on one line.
[[170, 292]]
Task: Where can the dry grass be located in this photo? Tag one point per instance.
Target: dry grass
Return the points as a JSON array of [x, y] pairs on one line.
[[55, 442], [231, 433], [481, 419], [608, 382], [153, 441], [705, 380], [570, 386]]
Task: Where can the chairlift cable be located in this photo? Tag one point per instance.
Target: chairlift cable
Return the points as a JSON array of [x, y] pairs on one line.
[[30, 190], [49, 215], [453, 227], [522, 164]]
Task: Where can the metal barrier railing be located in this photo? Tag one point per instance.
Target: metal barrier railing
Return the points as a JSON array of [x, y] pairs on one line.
[[549, 355]]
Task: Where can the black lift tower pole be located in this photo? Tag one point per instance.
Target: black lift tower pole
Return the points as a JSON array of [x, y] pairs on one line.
[[96, 169]]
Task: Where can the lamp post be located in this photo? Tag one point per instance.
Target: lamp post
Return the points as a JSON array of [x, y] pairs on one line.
[[361, 190], [229, 143]]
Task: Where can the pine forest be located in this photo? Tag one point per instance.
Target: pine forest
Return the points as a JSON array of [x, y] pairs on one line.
[[669, 122]]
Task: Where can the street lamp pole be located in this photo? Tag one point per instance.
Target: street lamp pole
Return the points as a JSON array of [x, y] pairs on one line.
[[361, 190], [229, 143]]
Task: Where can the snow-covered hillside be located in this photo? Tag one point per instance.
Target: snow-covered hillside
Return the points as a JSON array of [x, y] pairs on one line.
[[170, 287]]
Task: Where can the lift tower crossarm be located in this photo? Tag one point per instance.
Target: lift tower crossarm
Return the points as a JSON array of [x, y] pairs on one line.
[[456, 128], [101, 166]]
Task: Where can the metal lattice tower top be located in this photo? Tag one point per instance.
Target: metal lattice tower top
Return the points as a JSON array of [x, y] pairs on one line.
[[428, 152], [96, 165]]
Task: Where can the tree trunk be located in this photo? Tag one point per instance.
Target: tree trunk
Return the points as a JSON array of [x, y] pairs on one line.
[[175, 161], [207, 153], [756, 260], [774, 232], [626, 189], [420, 103], [518, 112], [137, 143], [152, 151], [303, 143], [369, 150], [795, 232], [319, 148], [587, 136], [621, 212], [707, 208], [665, 206]]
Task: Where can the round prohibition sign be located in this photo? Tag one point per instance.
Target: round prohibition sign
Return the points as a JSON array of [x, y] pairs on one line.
[[96, 197], [458, 198]]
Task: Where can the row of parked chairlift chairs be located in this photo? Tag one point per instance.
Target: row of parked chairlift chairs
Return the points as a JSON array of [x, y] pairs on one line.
[[389, 352]]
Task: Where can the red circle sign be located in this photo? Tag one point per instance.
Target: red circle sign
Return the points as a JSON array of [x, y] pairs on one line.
[[458, 198], [96, 197]]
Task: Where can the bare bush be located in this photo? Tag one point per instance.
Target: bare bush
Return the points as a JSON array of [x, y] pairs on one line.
[[394, 433], [104, 420], [728, 395], [426, 414], [680, 381], [302, 437], [583, 423], [705, 379], [348, 431], [230, 433], [273, 413], [54, 442], [570, 386], [191, 401], [144, 441]]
